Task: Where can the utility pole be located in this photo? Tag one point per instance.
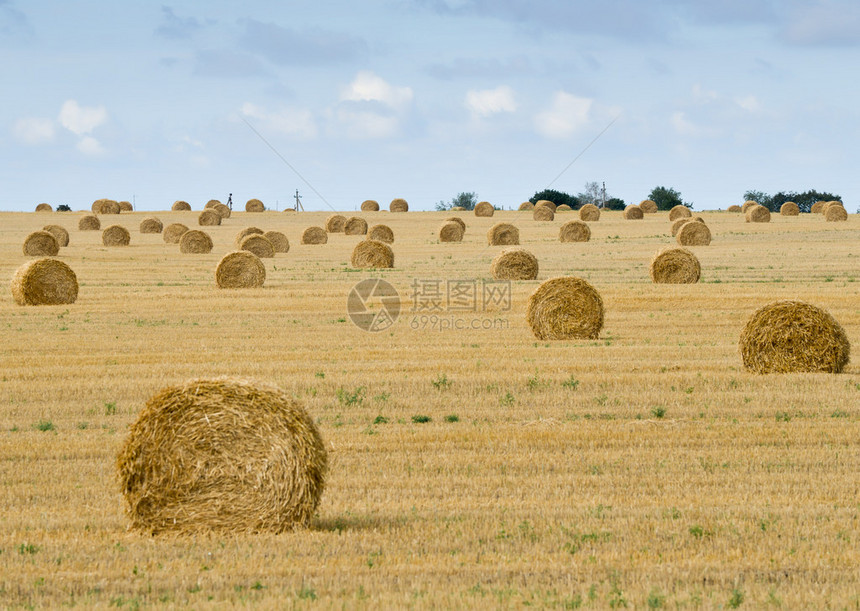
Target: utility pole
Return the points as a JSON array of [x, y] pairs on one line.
[[604, 195], [299, 202]]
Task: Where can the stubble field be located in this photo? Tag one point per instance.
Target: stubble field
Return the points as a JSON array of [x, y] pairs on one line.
[[469, 467]]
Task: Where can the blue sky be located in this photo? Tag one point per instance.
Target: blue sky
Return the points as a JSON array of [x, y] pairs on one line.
[[422, 99]]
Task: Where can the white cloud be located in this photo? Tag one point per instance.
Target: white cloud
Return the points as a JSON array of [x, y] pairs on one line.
[[33, 130], [368, 87], [486, 102], [90, 146], [567, 114], [291, 121], [79, 119], [749, 103]]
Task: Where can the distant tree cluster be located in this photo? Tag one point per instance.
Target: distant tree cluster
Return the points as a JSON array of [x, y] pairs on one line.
[[667, 198], [591, 194], [559, 198], [803, 200], [466, 200]]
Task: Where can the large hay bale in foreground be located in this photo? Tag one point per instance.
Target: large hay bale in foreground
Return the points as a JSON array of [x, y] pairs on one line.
[[679, 211], [41, 244], [674, 265], [484, 209], [334, 223], [240, 270], [116, 235], [793, 336], [382, 233], [543, 213], [173, 232], [633, 213], [180, 206], [750, 203], [209, 217], [648, 206], [735, 208], [259, 245], [58, 232], [503, 234], [694, 233], [514, 264], [565, 308], [355, 225], [757, 214], [789, 209], [44, 208], [527, 206], [545, 202], [223, 210], [370, 205], [817, 207], [589, 212], [254, 205], [44, 282], [89, 222], [835, 213], [279, 241], [398, 205], [314, 235], [244, 233], [125, 206], [195, 242], [373, 254], [451, 231], [151, 225], [574, 231], [222, 454]]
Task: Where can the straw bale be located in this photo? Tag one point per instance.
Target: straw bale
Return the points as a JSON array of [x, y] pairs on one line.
[[223, 210], [179, 206], [370, 205], [125, 206], [793, 336], [241, 269], [211, 203], [244, 233], [59, 232], [314, 235], [484, 209], [458, 220], [44, 282], [526, 206], [355, 225], [514, 264], [503, 234], [545, 202], [116, 235], [279, 241], [633, 212], [648, 206], [679, 211], [565, 308], [674, 265], [383, 233], [789, 209], [223, 455], [41, 244], [694, 233], [563, 208], [195, 242], [589, 212], [209, 217], [372, 253], [543, 213], [757, 214], [750, 203], [735, 208], [574, 231], [151, 225], [836, 213], [173, 232], [335, 223], [451, 231], [89, 222], [817, 207], [259, 245], [254, 205], [44, 208], [398, 205]]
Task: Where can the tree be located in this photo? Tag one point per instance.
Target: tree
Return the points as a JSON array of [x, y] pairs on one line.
[[467, 201], [667, 198], [593, 194], [63, 208], [803, 200], [615, 203], [559, 198]]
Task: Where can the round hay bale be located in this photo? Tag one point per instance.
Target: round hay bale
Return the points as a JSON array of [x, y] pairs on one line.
[[735, 208], [816, 207], [314, 235], [222, 454], [151, 225], [355, 226], [836, 213], [674, 265], [241, 270], [41, 244], [209, 217], [109, 206], [116, 235], [589, 212], [648, 206], [44, 282], [381, 233], [503, 234], [259, 245], [370, 205], [793, 336], [44, 208], [451, 231], [254, 205], [514, 264], [372, 253], [458, 220], [543, 213], [574, 231], [173, 232], [750, 203], [244, 233], [96, 206], [223, 210], [527, 206], [563, 208], [457, 209], [58, 232], [484, 209], [545, 202], [180, 206], [694, 233], [633, 213], [565, 308], [89, 223], [211, 203], [677, 224], [679, 211], [195, 242], [758, 214], [335, 223], [398, 205], [125, 206], [279, 241], [789, 209]]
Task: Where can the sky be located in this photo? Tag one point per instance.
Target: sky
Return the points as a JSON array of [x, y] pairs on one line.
[[345, 101]]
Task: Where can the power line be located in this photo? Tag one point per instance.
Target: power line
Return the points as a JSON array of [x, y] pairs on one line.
[[582, 152]]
